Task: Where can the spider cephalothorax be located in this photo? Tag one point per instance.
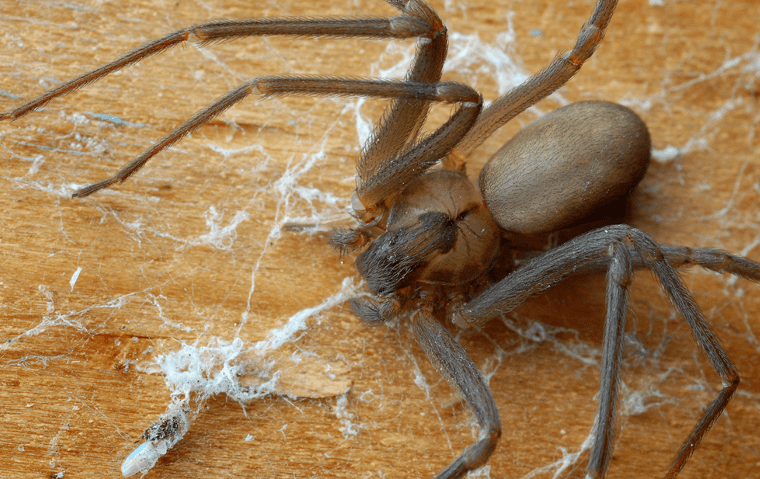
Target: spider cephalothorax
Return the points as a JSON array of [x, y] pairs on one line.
[[437, 231]]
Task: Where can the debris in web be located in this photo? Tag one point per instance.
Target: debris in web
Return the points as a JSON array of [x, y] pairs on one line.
[[243, 373]]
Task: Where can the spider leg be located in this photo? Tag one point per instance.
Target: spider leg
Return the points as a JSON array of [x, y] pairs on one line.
[[541, 84], [204, 33], [393, 138], [619, 276], [704, 337], [403, 120], [451, 360], [622, 248], [682, 256], [410, 164]]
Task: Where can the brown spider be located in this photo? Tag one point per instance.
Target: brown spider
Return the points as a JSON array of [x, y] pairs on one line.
[[430, 243]]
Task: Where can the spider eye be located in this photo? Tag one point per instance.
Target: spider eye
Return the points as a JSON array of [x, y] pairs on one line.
[[464, 214]]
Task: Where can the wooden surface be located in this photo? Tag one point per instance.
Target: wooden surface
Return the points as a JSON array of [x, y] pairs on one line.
[[190, 251]]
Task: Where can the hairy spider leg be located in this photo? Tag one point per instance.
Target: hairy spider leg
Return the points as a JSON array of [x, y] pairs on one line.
[[451, 360], [417, 20], [621, 248]]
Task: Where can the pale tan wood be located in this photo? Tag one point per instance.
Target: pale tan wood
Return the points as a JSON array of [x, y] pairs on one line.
[[73, 399]]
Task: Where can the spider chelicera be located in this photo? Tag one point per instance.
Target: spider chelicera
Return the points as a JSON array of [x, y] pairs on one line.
[[430, 244]]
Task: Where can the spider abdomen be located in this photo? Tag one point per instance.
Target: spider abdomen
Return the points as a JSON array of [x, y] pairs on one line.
[[565, 166]]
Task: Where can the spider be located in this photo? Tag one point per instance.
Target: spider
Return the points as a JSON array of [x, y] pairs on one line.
[[413, 258]]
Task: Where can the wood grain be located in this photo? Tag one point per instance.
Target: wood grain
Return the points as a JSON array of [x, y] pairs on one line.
[[159, 269]]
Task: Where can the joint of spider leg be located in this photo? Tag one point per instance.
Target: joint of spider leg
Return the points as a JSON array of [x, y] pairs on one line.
[[623, 278], [573, 59], [369, 216], [452, 92], [436, 33], [588, 40], [456, 316], [455, 301], [193, 36], [428, 298], [429, 35], [455, 162], [405, 27], [648, 249], [359, 210]]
